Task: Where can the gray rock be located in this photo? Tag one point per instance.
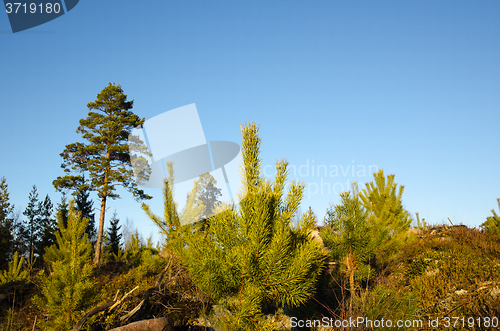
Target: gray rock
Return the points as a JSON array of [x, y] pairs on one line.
[[157, 324]]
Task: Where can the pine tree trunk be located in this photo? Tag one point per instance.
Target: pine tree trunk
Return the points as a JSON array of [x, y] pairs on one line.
[[351, 282], [101, 231], [98, 244]]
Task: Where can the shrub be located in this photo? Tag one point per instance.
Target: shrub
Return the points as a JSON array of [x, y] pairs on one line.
[[14, 273], [493, 222], [249, 256], [68, 290]]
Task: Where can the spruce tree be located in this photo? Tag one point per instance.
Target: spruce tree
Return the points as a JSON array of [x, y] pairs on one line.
[[33, 225], [250, 255], [492, 223], [20, 234], [104, 163], [6, 225], [68, 291], [86, 207], [62, 211], [48, 226], [114, 235]]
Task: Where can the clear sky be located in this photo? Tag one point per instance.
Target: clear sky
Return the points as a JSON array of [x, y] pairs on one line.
[[411, 87]]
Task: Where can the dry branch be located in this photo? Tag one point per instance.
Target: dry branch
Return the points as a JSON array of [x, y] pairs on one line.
[[121, 300], [110, 305], [94, 311]]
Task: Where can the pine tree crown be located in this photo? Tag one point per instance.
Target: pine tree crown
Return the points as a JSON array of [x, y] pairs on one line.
[[249, 255]]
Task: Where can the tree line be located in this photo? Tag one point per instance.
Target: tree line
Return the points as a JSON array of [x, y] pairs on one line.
[[37, 231]]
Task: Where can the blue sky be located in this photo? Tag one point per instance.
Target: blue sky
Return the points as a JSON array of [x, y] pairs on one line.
[[412, 87]]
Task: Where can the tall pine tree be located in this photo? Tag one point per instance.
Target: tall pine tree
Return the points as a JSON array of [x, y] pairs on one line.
[[104, 162]]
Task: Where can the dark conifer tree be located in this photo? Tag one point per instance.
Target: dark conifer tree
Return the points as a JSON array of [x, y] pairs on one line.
[[6, 225], [48, 226], [20, 234], [33, 224], [63, 210], [114, 235], [86, 207]]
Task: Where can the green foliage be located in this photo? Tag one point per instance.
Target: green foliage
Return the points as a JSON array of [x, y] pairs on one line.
[[390, 221], [445, 282], [347, 230], [447, 271], [143, 275], [6, 224], [493, 222], [350, 238], [421, 223], [137, 252], [68, 290], [39, 229], [388, 304], [113, 246], [170, 224], [250, 255], [194, 209], [133, 250], [14, 273], [86, 207], [106, 158], [33, 226], [63, 211], [48, 226], [370, 224]]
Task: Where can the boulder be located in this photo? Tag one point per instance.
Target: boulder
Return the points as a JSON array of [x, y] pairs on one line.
[[157, 324]]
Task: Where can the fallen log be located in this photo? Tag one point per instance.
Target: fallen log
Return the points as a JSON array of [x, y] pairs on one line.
[[157, 324]]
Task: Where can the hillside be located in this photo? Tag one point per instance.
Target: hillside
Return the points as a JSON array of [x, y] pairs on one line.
[[442, 271]]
